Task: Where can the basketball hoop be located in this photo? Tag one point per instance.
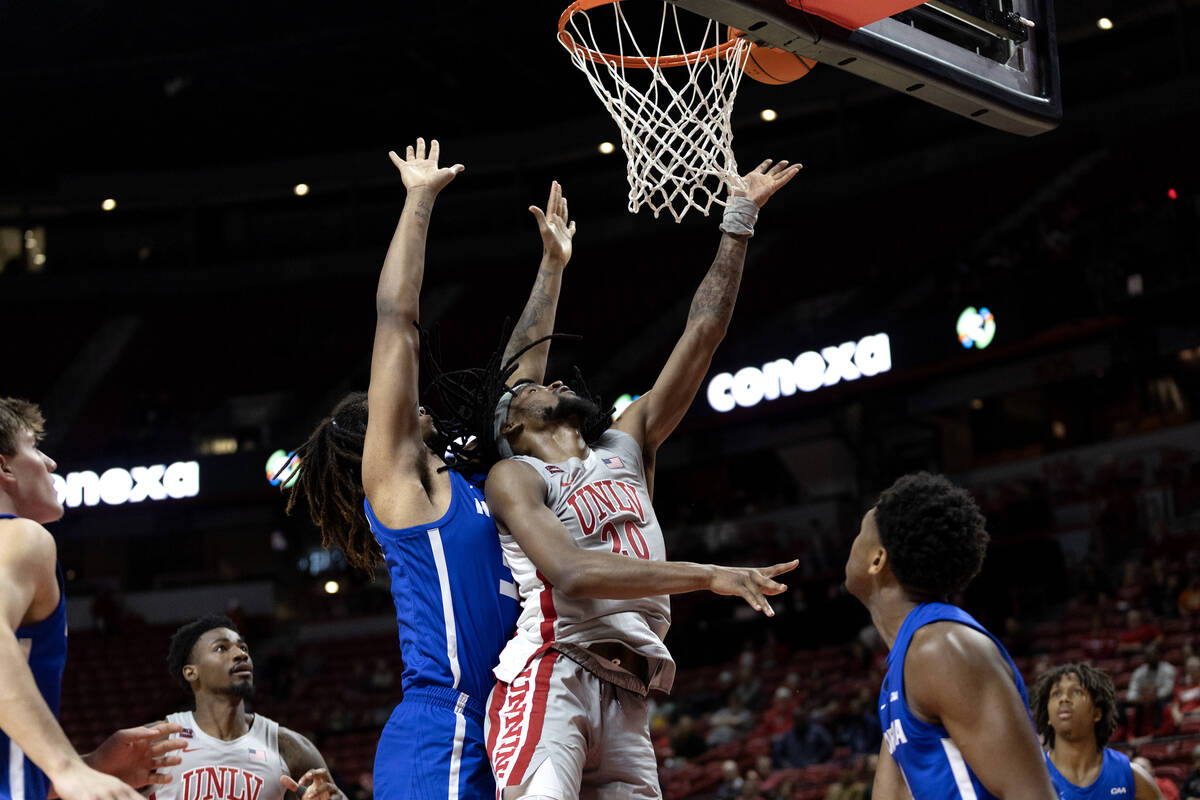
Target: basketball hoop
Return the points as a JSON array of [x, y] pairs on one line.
[[673, 109]]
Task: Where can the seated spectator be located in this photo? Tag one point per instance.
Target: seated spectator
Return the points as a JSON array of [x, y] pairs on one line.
[[1189, 598], [685, 741], [1137, 634], [847, 787], [806, 743], [1151, 687], [860, 727], [1187, 693], [1191, 784], [1132, 591], [778, 718], [729, 723], [748, 688], [731, 781], [752, 787], [1166, 786], [1099, 642]]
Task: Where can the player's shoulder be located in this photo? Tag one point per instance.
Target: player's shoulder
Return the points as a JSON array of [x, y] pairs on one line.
[[298, 751], [25, 542], [509, 473], [948, 645]]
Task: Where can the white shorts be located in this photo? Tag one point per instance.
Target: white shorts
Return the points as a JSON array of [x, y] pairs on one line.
[[569, 734]]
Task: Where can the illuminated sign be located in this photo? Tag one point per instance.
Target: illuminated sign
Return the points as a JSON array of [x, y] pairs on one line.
[[118, 486], [282, 471], [623, 402], [976, 328], [809, 371]]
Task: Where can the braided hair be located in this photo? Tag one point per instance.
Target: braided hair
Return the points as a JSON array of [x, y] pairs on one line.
[[468, 399], [330, 481]]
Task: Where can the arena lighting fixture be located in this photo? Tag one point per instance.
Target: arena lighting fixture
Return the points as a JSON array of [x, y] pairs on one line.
[[976, 327], [768, 115], [332, 587], [1104, 24], [808, 372], [119, 486], [607, 147], [1172, 194], [109, 204], [289, 474], [300, 189], [623, 402]]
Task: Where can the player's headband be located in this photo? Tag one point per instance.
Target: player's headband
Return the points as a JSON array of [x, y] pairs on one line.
[[498, 419]]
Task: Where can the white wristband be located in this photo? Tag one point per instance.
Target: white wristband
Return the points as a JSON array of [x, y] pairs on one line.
[[740, 216]]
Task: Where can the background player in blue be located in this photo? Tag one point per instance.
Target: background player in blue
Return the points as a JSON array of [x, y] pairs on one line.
[[1075, 711], [953, 708], [455, 601], [34, 751]]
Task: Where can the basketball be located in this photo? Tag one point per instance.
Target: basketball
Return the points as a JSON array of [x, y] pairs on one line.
[[774, 66]]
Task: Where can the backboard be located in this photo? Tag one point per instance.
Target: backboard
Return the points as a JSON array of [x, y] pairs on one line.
[[994, 61]]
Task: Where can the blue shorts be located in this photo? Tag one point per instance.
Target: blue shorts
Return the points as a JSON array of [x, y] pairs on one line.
[[432, 748]]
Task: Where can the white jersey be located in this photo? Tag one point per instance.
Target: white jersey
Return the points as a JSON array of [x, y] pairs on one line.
[[603, 502], [247, 768]]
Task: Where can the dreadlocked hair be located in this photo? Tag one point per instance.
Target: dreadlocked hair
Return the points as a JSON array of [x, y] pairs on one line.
[[329, 479], [467, 401], [1098, 686]]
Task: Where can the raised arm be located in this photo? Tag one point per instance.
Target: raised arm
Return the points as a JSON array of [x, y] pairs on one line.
[[537, 320], [516, 497], [28, 594], [302, 758], [394, 449], [655, 414], [955, 675]]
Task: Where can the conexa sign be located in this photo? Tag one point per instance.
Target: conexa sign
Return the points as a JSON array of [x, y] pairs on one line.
[[118, 486], [807, 372]]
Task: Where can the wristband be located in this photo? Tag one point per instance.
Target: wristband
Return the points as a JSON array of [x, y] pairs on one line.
[[740, 215]]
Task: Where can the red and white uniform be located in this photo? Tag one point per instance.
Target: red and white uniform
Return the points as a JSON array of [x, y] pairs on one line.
[[554, 704], [246, 768]]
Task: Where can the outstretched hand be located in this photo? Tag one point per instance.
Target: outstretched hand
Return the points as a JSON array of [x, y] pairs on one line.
[[132, 754], [317, 784], [556, 227], [765, 180], [421, 171], [751, 584]]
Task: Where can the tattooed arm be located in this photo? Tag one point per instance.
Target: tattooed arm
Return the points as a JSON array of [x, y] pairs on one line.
[[655, 414], [537, 320]]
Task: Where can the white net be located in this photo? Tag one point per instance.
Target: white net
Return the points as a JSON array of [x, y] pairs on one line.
[[673, 107]]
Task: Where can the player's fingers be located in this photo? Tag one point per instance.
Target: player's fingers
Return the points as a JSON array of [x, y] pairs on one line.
[[166, 746], [562, 208], [420, 148], [538, 215], [159, 778], [457, 169], [409, 155], [288, 783], [764, 165], [787, 176], [435, 149], [168, 761], [571, 228], [555, 197], [779, 569]]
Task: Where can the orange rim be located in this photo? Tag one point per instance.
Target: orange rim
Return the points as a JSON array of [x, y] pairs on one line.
[[634, 62]]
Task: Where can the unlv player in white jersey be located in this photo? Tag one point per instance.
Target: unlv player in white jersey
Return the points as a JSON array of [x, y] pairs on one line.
[[230, 754], [568, 716]]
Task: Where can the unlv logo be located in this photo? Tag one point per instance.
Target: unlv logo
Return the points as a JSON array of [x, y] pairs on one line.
[[220, 783]]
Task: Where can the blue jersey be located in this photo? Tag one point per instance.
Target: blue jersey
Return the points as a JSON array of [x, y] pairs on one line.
[[45, 645], [932, 765], [456, 603], [1115, 780]]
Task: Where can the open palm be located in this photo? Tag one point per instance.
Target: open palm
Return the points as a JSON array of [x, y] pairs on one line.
[[419, 170]]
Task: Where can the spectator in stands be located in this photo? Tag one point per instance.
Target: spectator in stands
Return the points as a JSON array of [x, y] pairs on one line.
[[808, 742], [1137, 634], [730, 722], [686, 742], [1150, 688], [752, 787], [1099, 642], [1132, 591], [859, 728], [1189, 599], [1191, 784], [731, 781], [848, 786], [748, 686], [778, 717], [1187, 694], [1166, 786]]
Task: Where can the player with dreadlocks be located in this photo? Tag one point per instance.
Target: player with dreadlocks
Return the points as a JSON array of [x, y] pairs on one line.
[[377, 487], [1075, 711], [568, 713]]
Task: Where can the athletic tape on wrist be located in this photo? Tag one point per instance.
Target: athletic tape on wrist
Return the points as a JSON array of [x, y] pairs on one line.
[[740, 216], [498, 419]]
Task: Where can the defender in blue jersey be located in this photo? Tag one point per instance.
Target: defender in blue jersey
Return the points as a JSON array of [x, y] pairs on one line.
[[34, 751], [378, 488], [953, 706], [1075, 710]]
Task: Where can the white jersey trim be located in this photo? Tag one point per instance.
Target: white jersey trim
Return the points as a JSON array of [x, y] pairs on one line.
[[962, 777], [460, 735], [439, 558], [16, 771]]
